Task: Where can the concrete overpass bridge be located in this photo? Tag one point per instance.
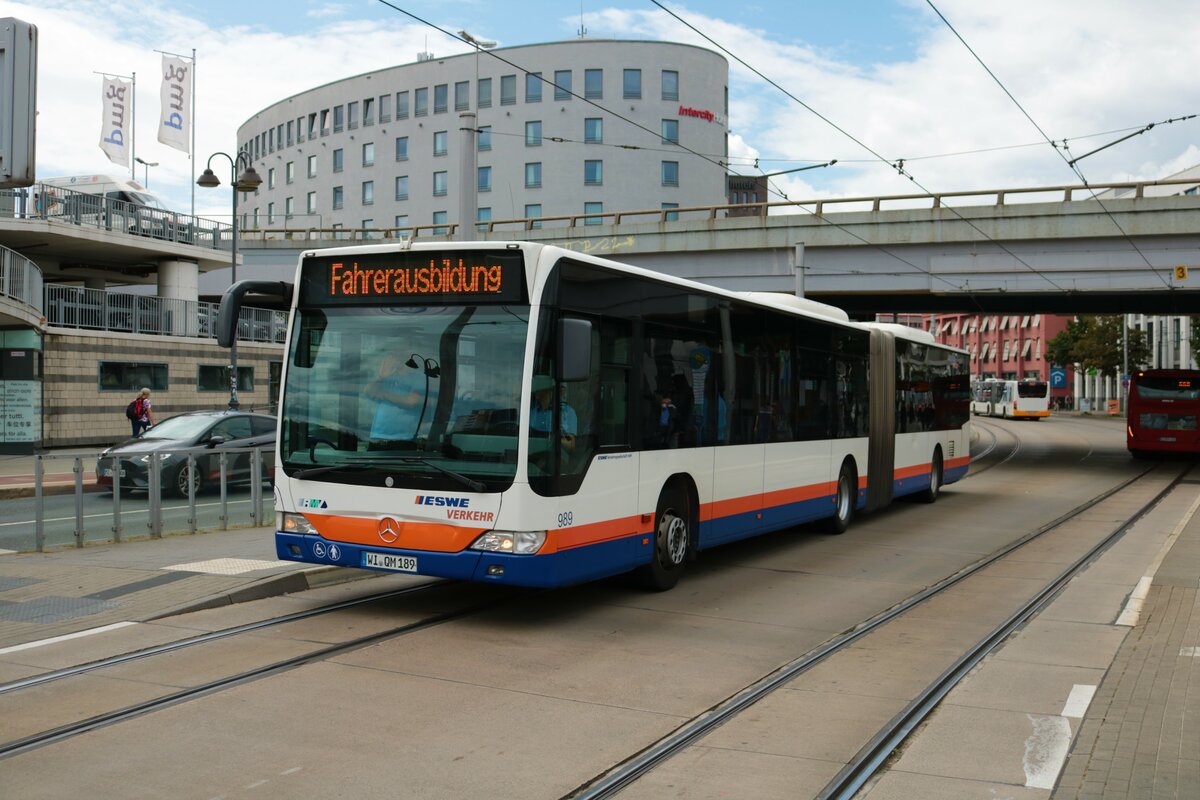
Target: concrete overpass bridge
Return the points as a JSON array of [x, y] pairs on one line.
[[1043, 249]]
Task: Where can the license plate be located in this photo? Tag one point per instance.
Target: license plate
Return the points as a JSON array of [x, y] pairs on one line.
[[390, 561], [106, 472], [1166, 438]]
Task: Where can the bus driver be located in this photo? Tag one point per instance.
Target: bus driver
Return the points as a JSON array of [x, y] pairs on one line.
[[541, 414]]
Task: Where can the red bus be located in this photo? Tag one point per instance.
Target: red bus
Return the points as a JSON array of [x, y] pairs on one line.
[[1163, 408]]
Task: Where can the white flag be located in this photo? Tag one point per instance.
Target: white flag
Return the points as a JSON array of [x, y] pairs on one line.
[[117, 122], [175, 120]]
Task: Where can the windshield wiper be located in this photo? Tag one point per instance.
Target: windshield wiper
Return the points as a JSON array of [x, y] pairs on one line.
[[348, 466], [473, 485]]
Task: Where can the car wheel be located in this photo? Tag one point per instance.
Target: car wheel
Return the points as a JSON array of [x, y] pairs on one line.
[[182, 477]]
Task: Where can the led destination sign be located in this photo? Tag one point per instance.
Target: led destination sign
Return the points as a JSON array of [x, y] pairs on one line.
[[421, 277]]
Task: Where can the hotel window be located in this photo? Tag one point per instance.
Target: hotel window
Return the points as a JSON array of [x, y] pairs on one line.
[[485, 179], [402, 148], [670, 84], [485, 137], [441, 218], [593, 173], [289, 172], [339, 118], [352, 115], [368, 192], [483, 215], [290, 130], [312, 166], [440, 139], [670, 131], [532, 211], [533, 133], [366, 226], [271, 178], [441, 183], [462, 95], [338, 197], [483, 93], [593, 208], [441, 95], [670, 216], [325, 122], [593, 84], [533, 87], [312, 125], [368, 153], [593, 130], [633, 84], [533, 175], [401, 105], [401, 221], [670, 173], [289, 207], [312, 203], [337, 160], [369, 111], [421, 102], [508, 90], [385, 110], [402, 187], [562, 84], [270, 213]]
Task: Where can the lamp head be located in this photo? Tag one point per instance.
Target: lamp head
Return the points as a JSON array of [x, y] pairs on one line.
[[208, 179], [249, 180]]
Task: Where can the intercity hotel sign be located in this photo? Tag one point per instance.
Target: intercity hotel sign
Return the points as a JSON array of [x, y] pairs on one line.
[[701, 113]]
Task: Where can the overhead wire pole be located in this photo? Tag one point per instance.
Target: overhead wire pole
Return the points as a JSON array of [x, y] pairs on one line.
[[684, 148]]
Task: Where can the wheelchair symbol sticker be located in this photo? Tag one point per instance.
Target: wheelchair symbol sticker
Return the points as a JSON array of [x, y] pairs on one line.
[[319, 549]]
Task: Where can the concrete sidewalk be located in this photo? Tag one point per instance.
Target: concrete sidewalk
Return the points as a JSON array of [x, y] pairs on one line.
[[45, 595]]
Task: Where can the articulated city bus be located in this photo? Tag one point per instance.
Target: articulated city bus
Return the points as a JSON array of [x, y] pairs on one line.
[[520, 413], [1161, 412], [1011, 399]]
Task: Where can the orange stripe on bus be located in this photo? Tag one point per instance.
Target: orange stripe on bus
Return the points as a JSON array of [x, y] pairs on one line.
[[910, 472], [592, 533], [432, 536]]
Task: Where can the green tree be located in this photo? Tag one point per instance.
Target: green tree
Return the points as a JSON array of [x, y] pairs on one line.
[[1099, 345], [1061, 349]]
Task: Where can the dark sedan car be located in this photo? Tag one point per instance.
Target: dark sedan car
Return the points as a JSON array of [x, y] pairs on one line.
[[203, 433]]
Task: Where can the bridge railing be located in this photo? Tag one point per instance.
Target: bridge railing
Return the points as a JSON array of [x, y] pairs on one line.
[[20, 279], [96, 309], [819, 206], [44, 202]]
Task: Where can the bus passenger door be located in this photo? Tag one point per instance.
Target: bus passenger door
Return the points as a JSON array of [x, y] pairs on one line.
[[881, 459]]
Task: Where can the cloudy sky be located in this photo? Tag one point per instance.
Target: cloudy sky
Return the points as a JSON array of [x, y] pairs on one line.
[[867, 82]]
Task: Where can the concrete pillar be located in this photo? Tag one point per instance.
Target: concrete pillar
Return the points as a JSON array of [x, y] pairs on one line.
[[468, 179], [1078, 388], [178, 283]]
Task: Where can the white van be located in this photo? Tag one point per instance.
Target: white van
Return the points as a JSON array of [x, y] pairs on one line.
[[109, 202]]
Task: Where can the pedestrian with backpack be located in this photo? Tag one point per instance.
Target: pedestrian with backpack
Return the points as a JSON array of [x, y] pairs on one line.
[[139, 412]]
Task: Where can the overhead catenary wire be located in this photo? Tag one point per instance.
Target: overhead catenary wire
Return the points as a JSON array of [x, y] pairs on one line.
[[1072, 164], [684, 148], [897, 165]]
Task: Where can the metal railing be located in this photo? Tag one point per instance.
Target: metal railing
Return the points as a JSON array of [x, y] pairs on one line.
[[228, 497], [746, 211], [96, 309], [20, 279], [44, 202]]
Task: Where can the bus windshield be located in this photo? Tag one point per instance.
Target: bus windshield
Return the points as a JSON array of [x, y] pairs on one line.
[[1034, 389], [1158, 387], [428, 393]]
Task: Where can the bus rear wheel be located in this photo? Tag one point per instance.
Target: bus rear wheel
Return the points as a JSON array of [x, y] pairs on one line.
[[931, 492], [672, 540]]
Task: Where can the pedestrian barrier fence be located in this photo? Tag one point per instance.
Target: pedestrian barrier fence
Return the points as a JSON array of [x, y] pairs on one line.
[[229, 497], [20, 279]]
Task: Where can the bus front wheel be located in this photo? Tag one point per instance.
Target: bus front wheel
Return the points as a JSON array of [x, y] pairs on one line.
[[844, 501], [672, 539]]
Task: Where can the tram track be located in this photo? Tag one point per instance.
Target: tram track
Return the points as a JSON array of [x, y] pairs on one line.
[[872, 756], [71, 729]]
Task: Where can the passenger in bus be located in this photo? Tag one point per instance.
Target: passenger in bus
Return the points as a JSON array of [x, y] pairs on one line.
[[541, 414], [399, 393]]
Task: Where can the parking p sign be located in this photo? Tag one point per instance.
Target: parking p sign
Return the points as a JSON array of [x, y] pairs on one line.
[[1058, 377]]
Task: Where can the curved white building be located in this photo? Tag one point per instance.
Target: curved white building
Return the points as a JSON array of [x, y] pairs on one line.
[[387, 148]]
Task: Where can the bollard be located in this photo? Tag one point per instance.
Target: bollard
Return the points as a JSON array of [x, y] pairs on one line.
[[154, 479], [256, 487], [191, 472], [224, 494], [116, 476], [77, 468], [39, 505]]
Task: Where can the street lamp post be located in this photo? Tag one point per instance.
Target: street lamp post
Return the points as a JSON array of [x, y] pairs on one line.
[[146, 171], [248, 181]]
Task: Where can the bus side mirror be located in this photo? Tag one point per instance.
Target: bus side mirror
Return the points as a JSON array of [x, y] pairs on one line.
[[574, 349]]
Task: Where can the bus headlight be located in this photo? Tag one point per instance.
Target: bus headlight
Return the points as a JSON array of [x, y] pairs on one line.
[[293, 523], [519, 542]]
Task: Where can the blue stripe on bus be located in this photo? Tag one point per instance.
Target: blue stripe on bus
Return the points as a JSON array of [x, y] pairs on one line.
[[721, 530]]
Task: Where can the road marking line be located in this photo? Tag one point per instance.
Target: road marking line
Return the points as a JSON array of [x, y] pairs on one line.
[[1079, 700], [227, 566], [65, 637], [1190, 652], [1133, 608], [1046, 751]]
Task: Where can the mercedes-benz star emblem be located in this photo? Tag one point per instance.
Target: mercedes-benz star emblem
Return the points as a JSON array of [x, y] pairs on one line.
[[389, 530]]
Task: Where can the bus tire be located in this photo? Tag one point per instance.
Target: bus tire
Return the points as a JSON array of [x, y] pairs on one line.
[[931, 492], [843, 501], [673, 530]]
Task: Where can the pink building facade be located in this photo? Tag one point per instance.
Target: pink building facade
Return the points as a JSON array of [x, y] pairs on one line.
[[1007, 346]]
